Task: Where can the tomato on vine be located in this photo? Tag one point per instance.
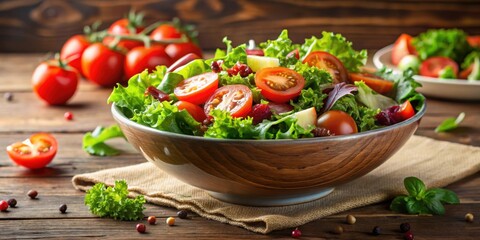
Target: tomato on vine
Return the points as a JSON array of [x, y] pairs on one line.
[[103, 65], [72, 51], [141, 58], [126, 26]]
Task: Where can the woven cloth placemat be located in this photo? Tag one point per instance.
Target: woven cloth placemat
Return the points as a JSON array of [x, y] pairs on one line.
[[437, 163]]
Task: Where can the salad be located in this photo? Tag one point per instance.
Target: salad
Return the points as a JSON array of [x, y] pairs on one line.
[[278, 90], [439, 53]]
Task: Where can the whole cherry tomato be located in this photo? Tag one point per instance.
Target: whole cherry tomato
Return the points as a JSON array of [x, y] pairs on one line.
[[35, 152], [54, 82], [72, 51], [102, 65], [337, 122], [178, 50], [125, 27], [141, 58], [165, 31]]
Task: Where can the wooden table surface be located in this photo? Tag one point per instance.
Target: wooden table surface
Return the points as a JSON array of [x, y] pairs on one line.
[[41, 218]]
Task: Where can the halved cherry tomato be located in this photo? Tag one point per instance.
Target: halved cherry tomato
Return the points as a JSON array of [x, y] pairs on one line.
[[102, 65], [124, 27], [375, 82], [141, 58], [54, 83], [196, 111], [236, 99], [35, 152], [405, 111], [432, 67], [164, 32], [72, 51], [466, 72], [474, 41], [401, 48], [279, 84], [197, 89], [337, 122], [328, 62], [178, 50]]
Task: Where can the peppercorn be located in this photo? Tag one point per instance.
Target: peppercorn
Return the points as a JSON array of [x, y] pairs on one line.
[[408, 236], [152, 220], [405, 227], [469, 217], [182, 214], [8, 96], [376, 230], [296, 233], [338, 229], [170, 221], [12, 202], [32, 194], [63, 208], [141, 228], [3, 206], [351, 219]]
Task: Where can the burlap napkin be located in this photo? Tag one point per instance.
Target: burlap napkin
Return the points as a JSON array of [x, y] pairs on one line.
[[437, 163]]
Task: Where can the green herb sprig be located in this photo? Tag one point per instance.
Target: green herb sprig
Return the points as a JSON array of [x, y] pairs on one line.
[[450, 123], [421, 200], [113, 202]]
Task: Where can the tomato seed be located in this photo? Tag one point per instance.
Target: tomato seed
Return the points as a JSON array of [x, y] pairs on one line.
[[63, 208], [152, 220], [32, 194], [3, 206], [12, 202], [141, 228], [68, 116]]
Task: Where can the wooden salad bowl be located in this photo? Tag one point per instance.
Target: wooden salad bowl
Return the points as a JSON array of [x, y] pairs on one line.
[[267, 172]]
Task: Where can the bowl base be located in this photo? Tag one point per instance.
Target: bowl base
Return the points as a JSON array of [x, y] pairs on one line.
[[270, 201]]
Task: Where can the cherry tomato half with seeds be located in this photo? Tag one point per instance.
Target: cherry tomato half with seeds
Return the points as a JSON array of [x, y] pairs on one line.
[[433, 66], [279, 84], [197, 89], [54, 83], [102, 65], [375, 82], [236, 99], [72, 51], [196, 111], [337, 122], [141, 58], [35, 152], [328, 62]]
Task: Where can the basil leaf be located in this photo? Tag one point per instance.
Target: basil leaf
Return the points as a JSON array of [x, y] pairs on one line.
[[415, 206], [445, 195], [398, 204], [434, 206], [450, 123], [414, 186]]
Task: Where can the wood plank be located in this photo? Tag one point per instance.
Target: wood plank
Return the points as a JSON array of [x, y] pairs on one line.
[[49, 23]]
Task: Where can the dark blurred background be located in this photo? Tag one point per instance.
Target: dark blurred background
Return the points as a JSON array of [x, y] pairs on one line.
[[44, 25]]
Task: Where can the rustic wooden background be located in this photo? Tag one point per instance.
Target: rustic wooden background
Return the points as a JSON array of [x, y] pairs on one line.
[[44, 25]]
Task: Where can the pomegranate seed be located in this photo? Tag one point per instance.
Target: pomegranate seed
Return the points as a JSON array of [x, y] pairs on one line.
[[3, 206], [260, 112], [408, 236], [141, 228], [216, 66], [296, 233], [68, 116]]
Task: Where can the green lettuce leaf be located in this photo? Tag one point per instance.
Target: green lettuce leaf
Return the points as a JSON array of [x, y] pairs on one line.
[[451, 43], [372, 99], [315, 78], [280, 48], [94, 142], [284, 127], [309, 98], [227, 127]]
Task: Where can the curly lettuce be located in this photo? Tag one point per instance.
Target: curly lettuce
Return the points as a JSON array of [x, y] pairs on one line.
[[451, 43]]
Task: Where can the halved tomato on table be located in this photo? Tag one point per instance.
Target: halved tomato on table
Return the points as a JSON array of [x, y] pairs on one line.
[[197, 89], [433, 66], [375, 82], [35, 152], [401, 48], [236, 99], [328, 62], [279, 84]]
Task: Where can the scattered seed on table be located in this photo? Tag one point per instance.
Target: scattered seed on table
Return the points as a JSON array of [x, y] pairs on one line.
[[408, 236], [351, 219], [296, 233], [376, 230], [338, 229], [12, 202], [182, 214], [141, 228], [32, 194], [469, 217], [63, 208], [405, 227], [68, 116], [8, 96], [3, 206], [152, 220], [170, 221]]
